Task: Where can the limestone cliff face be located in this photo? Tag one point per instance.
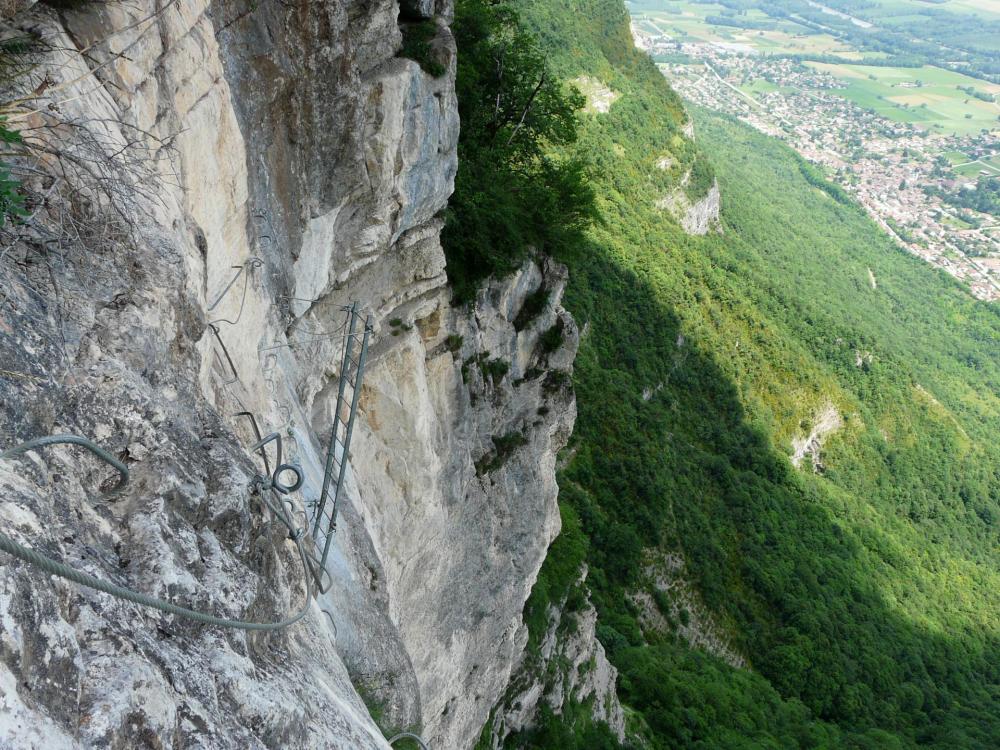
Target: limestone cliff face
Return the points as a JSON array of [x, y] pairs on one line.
[[700, 215], [177, 142], [464, 416], [696, 217], [570, 665]]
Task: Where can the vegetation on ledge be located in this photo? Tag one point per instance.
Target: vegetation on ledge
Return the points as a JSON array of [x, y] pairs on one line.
[[512, 191], [417, 45]]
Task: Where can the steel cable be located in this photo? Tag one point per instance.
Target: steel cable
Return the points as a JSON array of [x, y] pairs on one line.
[[246, 268], [408, 736], [74, 440], [62, 570]]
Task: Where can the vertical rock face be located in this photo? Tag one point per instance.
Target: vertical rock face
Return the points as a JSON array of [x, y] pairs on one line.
[[702, 216], [464, 416], [220, 178], [696, 217], [570, 665]]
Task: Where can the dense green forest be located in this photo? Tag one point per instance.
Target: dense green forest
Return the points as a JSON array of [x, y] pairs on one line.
[[862, 591]]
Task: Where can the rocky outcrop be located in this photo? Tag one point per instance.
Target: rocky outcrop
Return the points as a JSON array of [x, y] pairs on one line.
[[214, 180], [697, 217], [827, 421], [464, 416], [145, 203], [599, 95], [570, 665], [698, 214], [678, 609]]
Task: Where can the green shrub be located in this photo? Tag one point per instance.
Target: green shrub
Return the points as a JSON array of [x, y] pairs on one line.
[[556, 380], [553, 338], [531, 308], [701, 179], [503, 447], [417, 46], [11, 198], [662, 601], [571, 729], [397, 326], [512, 192], [493, 369], [558, 576]]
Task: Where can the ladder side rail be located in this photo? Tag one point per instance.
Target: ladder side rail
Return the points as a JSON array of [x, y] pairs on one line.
[[332, 449], [347, 439]]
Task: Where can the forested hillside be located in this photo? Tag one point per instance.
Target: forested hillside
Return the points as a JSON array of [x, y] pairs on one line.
[[861, 587]]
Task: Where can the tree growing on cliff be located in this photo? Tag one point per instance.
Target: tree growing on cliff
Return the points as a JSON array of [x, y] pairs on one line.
[[512, 191]]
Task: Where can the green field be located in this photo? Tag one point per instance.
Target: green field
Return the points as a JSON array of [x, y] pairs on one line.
[[927, 96], [984, 7], [955, 223], [975, 168], [686, 22], [887, 11], [762, 86], [952, 33], [950, 23]]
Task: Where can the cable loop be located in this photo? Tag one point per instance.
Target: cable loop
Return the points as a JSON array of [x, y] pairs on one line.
[[285, 489], [251, 264]]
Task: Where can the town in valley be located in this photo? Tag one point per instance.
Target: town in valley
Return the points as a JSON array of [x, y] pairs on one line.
[[918, 148]]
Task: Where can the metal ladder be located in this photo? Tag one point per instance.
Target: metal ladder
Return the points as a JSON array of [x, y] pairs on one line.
[[352, 372]]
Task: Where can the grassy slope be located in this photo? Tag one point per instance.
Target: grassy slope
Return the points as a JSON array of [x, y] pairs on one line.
[[866, 599]]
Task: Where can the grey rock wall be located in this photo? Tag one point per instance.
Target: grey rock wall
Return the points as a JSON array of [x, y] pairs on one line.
[[177, 142], [696, 217], [570, 665]]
